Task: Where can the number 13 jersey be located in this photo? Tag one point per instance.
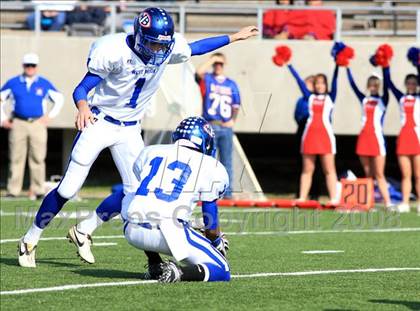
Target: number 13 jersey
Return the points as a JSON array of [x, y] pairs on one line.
[[128, 84], [172, 178]]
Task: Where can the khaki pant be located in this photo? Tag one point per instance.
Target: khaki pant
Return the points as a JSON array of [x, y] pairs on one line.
[[27, 138]]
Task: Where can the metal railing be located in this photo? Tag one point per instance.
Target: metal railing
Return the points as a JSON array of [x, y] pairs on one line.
[[181, 10]]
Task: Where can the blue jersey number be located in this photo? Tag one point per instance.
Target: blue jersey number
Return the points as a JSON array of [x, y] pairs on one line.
[[137, 90], [161, 194]]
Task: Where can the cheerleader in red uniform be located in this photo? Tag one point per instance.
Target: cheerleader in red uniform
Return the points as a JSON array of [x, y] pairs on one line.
[[408, 141], [318, 137], [370, 146]]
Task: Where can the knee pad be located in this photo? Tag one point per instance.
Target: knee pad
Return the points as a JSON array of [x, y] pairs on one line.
[[73, 179]]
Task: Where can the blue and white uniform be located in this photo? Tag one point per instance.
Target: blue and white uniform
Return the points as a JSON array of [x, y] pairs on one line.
[[173, 178], [29, 97], [119, 102], [128, 84], [220, 97]]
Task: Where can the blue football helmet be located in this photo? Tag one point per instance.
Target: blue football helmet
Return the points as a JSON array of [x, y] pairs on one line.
[[154, 35], [199, 132]]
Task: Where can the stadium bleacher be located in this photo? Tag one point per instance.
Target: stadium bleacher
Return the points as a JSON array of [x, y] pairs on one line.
[[362, 18]]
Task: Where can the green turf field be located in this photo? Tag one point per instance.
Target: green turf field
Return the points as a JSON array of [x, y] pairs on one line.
[[376, 266]]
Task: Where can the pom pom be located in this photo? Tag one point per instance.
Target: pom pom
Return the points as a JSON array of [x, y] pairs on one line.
[[283, 55], [342, 54], [413, 56], [337, 48], [382, 56]]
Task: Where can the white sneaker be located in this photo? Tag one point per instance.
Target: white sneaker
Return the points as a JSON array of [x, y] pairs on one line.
[[26, 253], [403, 208], [83, 243]]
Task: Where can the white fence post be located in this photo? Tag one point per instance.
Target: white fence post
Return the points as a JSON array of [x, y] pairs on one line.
[[260, 22], [338, 25], [182, 19], [37, 20], [418, 26], [113, 26]]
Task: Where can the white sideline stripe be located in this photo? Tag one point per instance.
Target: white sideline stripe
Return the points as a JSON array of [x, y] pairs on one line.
[[259, 275], [385, 230], [322, 252], [105, 244], [326, 231], [238, 276]]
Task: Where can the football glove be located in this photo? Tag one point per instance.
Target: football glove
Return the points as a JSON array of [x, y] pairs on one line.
[[221, 243]]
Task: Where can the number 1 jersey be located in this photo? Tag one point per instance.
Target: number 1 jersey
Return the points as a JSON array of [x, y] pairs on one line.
[[128, 84]]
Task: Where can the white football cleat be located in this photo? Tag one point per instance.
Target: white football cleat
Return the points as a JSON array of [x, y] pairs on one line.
[[26, 253], [403, 208], [83, 243]]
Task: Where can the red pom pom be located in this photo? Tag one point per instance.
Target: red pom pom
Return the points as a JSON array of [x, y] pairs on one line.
[[383, 55], [283, 55], [344, 56]]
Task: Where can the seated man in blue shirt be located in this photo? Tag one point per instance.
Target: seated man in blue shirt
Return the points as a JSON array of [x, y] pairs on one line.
[[221, 102], [28, 95]]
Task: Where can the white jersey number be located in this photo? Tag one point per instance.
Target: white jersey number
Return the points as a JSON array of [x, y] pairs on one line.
[[224, 101]]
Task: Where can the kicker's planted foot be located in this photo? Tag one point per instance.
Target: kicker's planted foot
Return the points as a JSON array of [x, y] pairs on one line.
[[83, 243]]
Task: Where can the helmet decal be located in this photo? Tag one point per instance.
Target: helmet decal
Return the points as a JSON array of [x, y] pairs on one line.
[[154, 26], [145, 20], [207, 127]]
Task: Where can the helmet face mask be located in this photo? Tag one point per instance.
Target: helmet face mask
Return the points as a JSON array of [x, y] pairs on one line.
[[199, 132], [153, 33]]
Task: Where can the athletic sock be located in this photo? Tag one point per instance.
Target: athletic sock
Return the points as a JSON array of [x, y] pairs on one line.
[[153, 258], [49, 208], [109, 208], [194, 273], [88, 225], [33, 235]]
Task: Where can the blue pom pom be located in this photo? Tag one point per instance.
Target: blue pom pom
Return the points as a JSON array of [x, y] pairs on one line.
[[413, 55], [337, 48], [373, 61]]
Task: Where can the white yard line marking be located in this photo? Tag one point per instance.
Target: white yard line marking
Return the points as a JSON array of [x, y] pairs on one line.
[[385, 230], [105, 244], [239, 276], [322, 252]]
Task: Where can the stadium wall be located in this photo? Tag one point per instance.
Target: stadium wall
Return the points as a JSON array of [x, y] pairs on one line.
[[268, 92]]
